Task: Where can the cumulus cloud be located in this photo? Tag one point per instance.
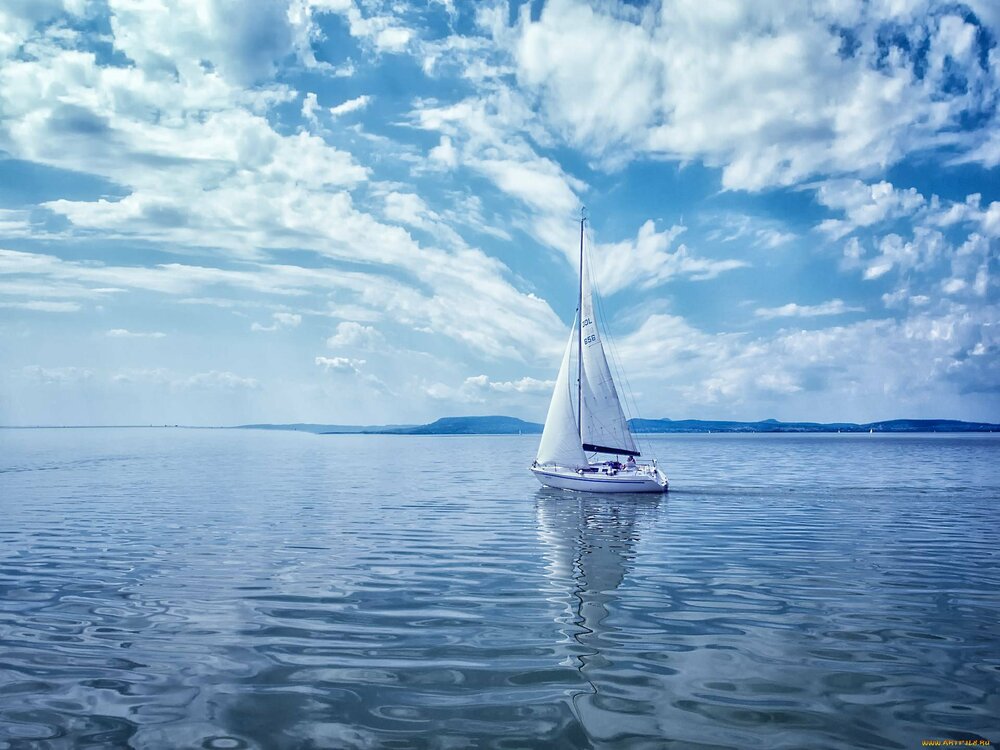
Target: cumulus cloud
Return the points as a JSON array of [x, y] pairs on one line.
[[697, 372], [351, 333], [480, 389], [279, 320], [864, 204], [241, 42], [871, 205], [926, 247], [523, 385], [772, 93]]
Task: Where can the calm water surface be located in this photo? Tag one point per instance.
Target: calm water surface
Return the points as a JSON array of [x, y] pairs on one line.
[[230, 589]]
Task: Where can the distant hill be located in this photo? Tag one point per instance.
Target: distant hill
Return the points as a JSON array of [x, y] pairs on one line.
[[493, 425], [501, 425], [773, 425]]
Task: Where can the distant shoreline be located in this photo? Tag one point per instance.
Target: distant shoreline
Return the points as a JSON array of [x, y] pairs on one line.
[[503, 425]]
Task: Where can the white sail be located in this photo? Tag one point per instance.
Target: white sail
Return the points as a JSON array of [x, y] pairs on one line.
[[560, 442], [604, 424]]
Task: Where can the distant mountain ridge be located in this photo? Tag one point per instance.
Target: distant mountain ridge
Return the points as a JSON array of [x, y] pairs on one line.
[[492, 425], [503, 425], [773, 425]]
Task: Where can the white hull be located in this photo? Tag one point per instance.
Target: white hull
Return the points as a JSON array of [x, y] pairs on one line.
[[645, 479]]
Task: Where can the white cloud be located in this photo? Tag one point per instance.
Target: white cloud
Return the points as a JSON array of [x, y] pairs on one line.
[[481, 389], [19, 20], [795, 310], [280, 320], [356, 369], [241, 41], [445, 153], [57, 375], [218, 380], [732, 227], [494, 135], [212, 380], [351, 105], [467, 297], [861, 369], [16, 223], [340, 364], [442, 392], [351, 333], [540, 183], [228, 180], [487, 135], [523, 385], [649, 261], [926, 247], [310, 106], [970, 211], [124, 333], [410, 209], [864, 204], [772, 93], [43, 306], [291, 320], [383, 32]]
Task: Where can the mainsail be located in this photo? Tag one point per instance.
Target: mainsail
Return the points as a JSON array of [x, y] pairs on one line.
[[560, 442], [604, 428]]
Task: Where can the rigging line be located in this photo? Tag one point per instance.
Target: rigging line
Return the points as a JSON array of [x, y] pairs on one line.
[[615, 358]]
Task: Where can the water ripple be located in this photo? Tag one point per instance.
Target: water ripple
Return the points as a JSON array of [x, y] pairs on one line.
[[231, 589]]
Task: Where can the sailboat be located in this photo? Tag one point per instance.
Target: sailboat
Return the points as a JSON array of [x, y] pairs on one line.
[[592, 422]]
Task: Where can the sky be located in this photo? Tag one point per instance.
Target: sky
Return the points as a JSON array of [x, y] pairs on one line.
[[215, 212]]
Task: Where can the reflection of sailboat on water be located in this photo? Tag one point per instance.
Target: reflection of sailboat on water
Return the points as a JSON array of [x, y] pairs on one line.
[[595, 423], [590, 546]]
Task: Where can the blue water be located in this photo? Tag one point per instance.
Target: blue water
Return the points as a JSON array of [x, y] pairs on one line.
[[222, 589]]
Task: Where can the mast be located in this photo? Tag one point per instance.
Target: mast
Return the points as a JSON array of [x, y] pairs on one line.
[[579, 312]]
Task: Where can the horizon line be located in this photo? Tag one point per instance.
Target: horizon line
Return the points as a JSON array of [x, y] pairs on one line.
[[474, 416]]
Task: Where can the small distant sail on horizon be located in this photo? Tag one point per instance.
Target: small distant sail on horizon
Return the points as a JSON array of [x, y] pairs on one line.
[[593, 422]]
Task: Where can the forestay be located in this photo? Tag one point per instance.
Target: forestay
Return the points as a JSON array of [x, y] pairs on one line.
[[560, 442]]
